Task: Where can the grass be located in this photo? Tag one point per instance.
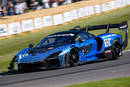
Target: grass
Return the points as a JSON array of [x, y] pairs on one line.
[[118, 82], [10, 46]]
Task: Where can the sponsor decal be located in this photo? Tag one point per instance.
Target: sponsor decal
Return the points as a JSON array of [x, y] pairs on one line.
[[61, 35], [123, 26], [107, 52], [109, 36], [50, 48], [2, 30]]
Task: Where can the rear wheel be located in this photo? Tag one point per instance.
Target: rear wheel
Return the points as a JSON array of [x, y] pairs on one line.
[[116, 49]]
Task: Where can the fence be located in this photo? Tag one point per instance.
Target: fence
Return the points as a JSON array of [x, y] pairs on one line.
[[60, 18]]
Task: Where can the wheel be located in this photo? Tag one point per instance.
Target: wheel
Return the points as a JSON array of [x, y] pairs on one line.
[[13, 63], [21, 68], [72, 59], [116, 49]]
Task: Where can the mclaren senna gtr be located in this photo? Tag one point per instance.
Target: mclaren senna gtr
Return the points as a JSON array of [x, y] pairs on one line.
[[70, 48]]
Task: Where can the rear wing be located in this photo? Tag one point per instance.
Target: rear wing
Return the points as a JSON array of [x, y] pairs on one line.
[[122, 26]]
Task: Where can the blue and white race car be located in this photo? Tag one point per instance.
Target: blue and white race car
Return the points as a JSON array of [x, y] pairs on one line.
[[70, 48]]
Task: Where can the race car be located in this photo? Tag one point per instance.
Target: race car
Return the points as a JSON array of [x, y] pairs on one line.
[[73, 47]]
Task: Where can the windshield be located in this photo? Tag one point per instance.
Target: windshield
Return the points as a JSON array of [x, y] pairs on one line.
[[55, 40]]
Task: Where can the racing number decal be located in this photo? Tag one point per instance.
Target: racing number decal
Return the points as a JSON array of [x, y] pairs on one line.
[[107, 42]]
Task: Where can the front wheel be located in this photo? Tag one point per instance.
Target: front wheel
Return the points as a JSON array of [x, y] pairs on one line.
[[20, 68], [72, 59]]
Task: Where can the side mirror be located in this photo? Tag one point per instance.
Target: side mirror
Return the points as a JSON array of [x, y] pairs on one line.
[[30, 45]]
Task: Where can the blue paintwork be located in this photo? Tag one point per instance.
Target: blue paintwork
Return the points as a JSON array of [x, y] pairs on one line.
[[23, 57]]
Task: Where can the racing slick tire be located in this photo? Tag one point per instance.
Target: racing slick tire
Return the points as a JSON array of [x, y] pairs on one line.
[[72, 59], [13, 63], [21, 68], [116, 49]]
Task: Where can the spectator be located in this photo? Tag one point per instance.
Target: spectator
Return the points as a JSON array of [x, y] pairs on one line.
[[24, 5], [34, 4], [68, 1], [40, 2], [2, 10], [28, 3], [61, 2], [10, 8], [46, 3], [20, 7], [54, 3]]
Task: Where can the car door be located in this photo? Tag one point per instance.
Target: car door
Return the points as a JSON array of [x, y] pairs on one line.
[[87, 45]]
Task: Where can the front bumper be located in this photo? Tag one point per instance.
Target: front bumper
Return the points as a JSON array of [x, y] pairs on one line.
[[44, 64]]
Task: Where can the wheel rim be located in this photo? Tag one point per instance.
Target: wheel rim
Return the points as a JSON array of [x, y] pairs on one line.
[[74, 58], [116, 49]]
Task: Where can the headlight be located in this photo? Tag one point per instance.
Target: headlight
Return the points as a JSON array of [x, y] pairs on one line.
[[20, 56], [23, 55]]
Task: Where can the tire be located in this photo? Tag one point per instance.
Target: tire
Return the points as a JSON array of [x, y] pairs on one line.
[[12, 64], [21, 68], [116, 49], [72, 59]]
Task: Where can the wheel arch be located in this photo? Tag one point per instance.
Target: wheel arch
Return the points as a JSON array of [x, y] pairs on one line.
[[67, 56], [117, 40], [116, 54], [75, 49]]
